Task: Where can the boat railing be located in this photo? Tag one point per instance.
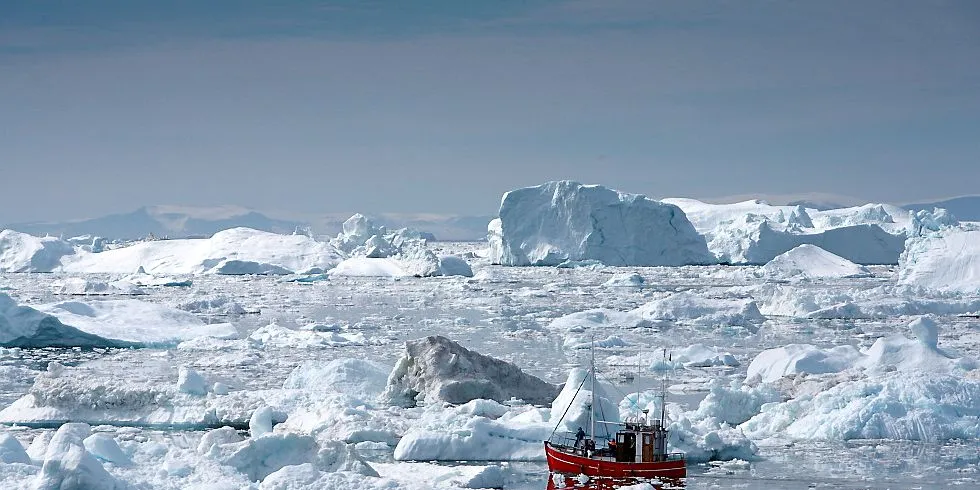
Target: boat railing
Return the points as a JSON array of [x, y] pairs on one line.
[[568, 439], [562, 439]]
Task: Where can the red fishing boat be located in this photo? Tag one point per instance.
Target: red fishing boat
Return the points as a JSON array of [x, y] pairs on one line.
[[637, 450]]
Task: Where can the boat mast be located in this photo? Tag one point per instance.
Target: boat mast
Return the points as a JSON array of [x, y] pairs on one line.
[[592, 395], [663, 392]]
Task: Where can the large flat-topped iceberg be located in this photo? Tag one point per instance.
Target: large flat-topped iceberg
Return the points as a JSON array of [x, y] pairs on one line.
[[233, 251], [948, 261], [20, 252], [560, 221], [754, 232]]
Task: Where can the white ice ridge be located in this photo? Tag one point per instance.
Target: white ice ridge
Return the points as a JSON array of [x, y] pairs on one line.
[[233, 251], [567, 221]]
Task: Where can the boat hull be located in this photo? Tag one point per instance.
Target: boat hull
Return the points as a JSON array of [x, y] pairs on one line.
[[572, 464]]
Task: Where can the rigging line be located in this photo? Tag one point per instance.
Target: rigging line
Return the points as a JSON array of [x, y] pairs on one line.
[[569, 407], [635, 403]]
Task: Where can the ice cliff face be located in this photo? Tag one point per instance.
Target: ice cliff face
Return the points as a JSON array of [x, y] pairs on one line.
[[438, 369], [943, 261], [561, 221]]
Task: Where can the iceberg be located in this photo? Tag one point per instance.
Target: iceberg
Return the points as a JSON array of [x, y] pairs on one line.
[[20, 252], [948, 261], [567, 221], [233, 251], [438, 369], [754, 232], [807, 262]]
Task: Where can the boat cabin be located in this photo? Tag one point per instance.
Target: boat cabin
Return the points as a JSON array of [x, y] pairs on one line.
[[640, 442]]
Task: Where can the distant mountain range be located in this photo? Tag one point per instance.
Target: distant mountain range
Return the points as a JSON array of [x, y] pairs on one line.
[[185, 221]]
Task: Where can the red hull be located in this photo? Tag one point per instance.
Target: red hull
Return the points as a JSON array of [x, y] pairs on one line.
[[562, 462]]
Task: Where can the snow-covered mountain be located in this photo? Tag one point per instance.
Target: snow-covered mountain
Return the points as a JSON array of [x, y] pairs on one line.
[[189, 221], [162, 221]]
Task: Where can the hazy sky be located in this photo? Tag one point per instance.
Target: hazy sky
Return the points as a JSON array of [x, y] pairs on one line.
[[441, 106]]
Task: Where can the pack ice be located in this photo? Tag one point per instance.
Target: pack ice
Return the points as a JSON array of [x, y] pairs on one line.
[[567, 221]]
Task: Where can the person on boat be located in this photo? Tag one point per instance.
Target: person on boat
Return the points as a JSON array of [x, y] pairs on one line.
[[579, 437]]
